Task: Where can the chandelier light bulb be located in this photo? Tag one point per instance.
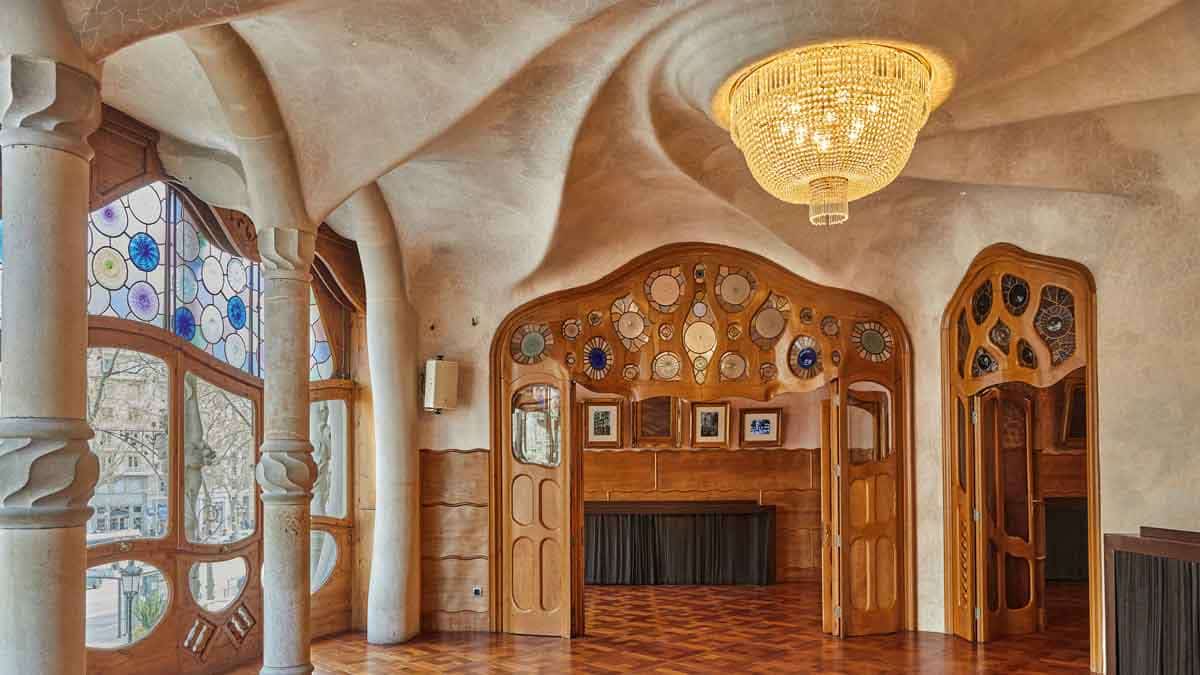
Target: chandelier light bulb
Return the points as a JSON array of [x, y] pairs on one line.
[[829, 124]]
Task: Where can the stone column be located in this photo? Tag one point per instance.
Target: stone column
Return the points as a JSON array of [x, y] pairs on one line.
[[47, 471], [286, 470], [394, 593]]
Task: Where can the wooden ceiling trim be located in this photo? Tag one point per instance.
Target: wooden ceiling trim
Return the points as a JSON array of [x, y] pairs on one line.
[[341, 269], [126, 157]]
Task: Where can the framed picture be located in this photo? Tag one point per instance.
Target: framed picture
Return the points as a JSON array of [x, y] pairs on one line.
[[602, 424], [761, 427], [656, 422], [1074, 418], [710, 425]]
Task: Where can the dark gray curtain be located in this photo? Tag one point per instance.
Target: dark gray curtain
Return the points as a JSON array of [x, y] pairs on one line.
[[679, 549], [1066, 539], [1158, 615]]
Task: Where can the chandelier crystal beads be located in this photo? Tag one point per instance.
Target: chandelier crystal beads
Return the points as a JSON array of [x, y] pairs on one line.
[[829, 124]]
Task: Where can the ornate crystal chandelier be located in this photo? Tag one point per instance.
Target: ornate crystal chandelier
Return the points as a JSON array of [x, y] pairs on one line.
[[829, 124]]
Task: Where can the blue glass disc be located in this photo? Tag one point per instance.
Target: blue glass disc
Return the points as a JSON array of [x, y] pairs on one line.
[[236, 311], [597, 359], [807, 358], [143, 252], [185, 323]]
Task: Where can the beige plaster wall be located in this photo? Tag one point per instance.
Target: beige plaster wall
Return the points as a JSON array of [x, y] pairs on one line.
[[531, 146]]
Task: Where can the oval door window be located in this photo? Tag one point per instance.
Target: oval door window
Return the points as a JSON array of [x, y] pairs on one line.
[[537, 425]]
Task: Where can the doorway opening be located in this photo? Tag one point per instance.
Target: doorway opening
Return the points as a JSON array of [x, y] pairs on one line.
[[691, 504], [692, 344], [1020, 458]]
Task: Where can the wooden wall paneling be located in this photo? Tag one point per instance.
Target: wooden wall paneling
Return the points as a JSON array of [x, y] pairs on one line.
[[455, 546], [615, 470], [683, 495], [454, 531], [735, 469], [363, 546], [447, 585], [454, 477], [1063, 475], [795, 509]]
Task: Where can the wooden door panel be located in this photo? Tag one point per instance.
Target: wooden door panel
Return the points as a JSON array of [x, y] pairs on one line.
[[524, 569], [963, 506], [828, 575], [869, 501], [1008, 528], [523, 501], [537, 559]]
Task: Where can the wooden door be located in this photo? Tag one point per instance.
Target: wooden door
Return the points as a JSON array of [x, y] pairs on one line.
[[536, 518], [965, 515], [1009, 569], [868, 496], [829, 426]]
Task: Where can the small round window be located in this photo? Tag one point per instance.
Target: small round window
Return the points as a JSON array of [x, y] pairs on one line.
[[537, 425], [125, 601], [216, 584], [322, 558]]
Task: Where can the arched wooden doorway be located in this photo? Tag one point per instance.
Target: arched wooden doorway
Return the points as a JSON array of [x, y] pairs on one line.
[[1019, 404], [701, 322]]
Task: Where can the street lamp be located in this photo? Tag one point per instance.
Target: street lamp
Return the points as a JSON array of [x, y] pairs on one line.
[[131, 584]]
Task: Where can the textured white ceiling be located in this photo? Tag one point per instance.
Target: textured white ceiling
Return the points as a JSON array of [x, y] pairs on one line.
[[528, 146]]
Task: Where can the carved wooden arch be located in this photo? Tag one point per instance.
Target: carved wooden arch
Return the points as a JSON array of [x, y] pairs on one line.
[[855, 338], [1040, 353]]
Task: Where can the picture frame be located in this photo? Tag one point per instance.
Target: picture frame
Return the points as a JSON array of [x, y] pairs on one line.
[[710, 424], [603, 423], [1073, 427], [760, 427], [656, 422]]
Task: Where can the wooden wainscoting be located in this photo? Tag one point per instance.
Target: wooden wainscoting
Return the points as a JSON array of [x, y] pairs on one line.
[[454, 540], [785, 478]]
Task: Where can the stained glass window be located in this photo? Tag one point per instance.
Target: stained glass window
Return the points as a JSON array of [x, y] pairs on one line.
[[147, 242], [217, 297], [127, 245], [320, 362]]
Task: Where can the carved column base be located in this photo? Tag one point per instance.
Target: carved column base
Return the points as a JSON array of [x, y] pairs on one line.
[[47, 472], [297, 670]]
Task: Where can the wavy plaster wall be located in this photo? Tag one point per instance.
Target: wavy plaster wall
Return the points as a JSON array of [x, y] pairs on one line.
[[1115, 189], [577, 137]]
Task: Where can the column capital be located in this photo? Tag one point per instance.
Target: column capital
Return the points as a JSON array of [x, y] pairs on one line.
[[287, 253], [47, 104], [47, 472], [286, 470]]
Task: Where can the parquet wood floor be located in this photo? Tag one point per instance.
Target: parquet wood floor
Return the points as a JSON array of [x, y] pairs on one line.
[[730, 629]]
